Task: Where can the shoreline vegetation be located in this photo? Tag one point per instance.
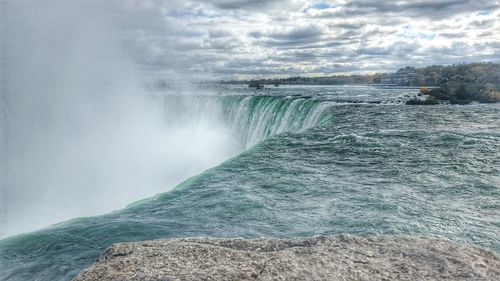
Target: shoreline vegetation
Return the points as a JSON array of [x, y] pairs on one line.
[[439, 84]]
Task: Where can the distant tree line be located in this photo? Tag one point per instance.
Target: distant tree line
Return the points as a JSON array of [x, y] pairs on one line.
[[438, 75], [462, 84], [326, 80], [435, 75]]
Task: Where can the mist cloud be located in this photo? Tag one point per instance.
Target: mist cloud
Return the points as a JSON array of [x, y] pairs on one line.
[[79, 135]]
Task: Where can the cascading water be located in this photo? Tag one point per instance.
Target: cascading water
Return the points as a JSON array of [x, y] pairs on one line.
[[259, 117], [251, 119]]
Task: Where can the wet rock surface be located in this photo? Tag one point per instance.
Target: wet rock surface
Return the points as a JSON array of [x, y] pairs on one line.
[[316, 258]]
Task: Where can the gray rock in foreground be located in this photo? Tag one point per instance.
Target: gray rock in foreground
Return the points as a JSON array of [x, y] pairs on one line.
[[317, 258]]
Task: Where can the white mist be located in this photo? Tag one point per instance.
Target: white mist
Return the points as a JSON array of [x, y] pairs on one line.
[[78, 136]]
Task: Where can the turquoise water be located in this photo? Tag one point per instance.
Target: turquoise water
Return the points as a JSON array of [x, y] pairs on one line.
[[317, 161]]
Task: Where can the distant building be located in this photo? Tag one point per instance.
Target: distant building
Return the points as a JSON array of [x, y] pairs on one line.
[[403, 77], [255, 84]]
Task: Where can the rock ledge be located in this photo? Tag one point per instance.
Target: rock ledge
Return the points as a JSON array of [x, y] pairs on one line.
[[316, 258]]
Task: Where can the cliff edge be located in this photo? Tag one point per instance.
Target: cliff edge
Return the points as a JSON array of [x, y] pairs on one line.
[[316, 258]]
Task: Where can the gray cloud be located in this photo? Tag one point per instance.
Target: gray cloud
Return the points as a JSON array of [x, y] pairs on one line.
[[226, 38], [246, 4], [454, 35], [298, 33], [483, 23], [425, 8]]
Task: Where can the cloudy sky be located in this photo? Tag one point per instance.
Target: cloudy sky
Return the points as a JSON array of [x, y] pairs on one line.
[[249, 38], [241, 38]]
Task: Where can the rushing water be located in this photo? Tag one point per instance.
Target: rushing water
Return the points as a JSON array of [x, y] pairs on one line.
[[317, 161]]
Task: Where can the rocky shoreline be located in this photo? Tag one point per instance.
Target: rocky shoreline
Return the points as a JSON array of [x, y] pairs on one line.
[[316, 258]]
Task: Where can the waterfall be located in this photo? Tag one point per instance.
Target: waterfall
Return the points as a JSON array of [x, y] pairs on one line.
[[259, 117]]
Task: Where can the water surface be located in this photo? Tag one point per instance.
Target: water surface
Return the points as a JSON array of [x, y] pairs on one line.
[[317, 161]]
